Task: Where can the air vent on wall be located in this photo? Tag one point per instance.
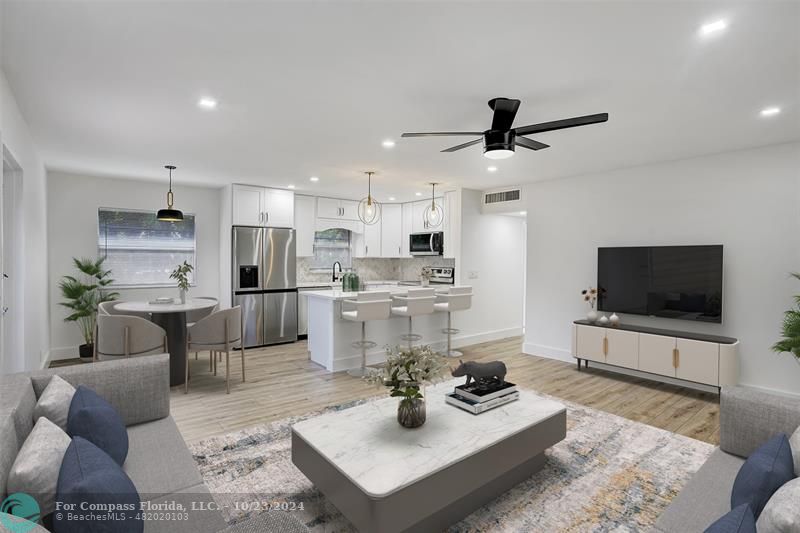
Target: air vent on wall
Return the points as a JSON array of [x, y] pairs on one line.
[[504, 196]]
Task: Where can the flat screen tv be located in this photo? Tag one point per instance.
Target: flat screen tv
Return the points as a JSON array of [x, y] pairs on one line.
[[682, 282]]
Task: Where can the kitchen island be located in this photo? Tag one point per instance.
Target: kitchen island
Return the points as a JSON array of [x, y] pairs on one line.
[[331, 338]]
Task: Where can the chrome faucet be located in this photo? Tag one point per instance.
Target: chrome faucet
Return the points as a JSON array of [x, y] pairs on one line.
[[333, 271]]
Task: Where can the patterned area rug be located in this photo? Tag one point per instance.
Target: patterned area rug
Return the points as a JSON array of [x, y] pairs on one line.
[[609, 474]]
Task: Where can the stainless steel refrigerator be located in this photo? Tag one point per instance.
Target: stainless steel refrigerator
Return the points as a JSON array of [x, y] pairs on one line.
[[265, 283]]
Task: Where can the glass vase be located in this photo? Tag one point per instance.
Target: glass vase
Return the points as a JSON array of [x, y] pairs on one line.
[[411, 412]]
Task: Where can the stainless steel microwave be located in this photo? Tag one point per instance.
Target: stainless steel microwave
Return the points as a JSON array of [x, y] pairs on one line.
[[427, 243]]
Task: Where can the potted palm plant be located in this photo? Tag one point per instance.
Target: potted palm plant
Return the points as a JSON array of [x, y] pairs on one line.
[[790, 343], [82, 294]]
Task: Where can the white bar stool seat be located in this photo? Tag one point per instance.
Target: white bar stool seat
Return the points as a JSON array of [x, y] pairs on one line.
[[417, 302], [457, 298], [367, 306]]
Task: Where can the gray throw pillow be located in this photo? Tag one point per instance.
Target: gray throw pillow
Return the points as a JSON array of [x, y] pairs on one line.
[[794, 444], [54, 402], [35, 470], [782, 513]]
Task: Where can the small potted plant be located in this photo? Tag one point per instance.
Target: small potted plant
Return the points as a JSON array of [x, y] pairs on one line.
[[425, 276], [790, 343], [181, 275], [82, 295], [406, 371]]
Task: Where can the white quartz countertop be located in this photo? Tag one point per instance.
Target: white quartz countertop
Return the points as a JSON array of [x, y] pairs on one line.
[[338, 294], [368, 446], [305, 284]]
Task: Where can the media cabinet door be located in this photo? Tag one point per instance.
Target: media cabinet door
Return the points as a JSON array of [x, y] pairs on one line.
[[655, 354], [698, 361], [623, 348], [590, 343]]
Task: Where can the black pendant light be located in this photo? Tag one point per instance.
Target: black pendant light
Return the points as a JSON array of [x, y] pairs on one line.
[[169, 214]]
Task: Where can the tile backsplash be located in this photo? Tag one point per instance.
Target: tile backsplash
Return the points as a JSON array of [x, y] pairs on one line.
[[374, 269]]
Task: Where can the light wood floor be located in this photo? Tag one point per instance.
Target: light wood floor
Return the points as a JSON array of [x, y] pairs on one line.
[[281, 382]]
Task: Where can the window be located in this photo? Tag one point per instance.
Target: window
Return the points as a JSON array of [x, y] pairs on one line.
[[330, 246], [142, 251]]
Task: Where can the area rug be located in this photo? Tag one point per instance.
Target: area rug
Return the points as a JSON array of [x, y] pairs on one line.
[[609, 474]]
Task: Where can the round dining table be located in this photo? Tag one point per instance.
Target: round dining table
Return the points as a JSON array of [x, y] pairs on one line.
[[171, 317]]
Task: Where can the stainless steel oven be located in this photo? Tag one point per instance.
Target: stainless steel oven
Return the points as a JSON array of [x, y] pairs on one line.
[[427, 243]]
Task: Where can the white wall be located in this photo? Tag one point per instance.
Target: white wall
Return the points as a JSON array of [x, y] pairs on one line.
[[32, 310], [72, 203], [748, 201], [492, 248]]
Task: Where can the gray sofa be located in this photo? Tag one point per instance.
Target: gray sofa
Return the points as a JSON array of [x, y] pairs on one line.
[[159, 462], [748, 418]]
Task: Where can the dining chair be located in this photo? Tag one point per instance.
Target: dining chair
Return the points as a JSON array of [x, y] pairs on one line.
[[108, 308], [218, 332], [198, 314], [127, 336]]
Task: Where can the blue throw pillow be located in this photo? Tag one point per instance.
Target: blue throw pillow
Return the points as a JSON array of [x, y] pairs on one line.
[[738, 520], [93, 494], [93, 418], [764, 472]]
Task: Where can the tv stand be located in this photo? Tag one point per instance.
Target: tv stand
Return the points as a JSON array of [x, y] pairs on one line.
[[682, 355]]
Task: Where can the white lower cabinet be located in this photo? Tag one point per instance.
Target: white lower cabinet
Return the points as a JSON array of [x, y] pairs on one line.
[[697, 361], [591, 343], [622, 348], [657, 354]]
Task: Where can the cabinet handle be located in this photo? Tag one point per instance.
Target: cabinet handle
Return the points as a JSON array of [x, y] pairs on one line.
[[677, 358], [266, 216], [605, 346]]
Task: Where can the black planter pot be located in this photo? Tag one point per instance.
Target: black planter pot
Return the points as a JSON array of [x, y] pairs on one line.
[[86, 351]]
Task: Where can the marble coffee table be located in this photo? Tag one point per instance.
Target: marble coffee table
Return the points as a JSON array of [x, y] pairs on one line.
[[387, 478]]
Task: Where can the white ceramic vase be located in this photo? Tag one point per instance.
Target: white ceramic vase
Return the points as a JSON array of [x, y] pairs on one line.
[[591, 316], [614, 319], [603, 320], [183, 296]]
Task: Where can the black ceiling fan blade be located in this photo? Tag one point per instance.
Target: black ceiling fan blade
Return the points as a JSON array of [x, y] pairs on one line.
[[530, 143], [465, 145], [443, 134], [562, 124], [505, 109]]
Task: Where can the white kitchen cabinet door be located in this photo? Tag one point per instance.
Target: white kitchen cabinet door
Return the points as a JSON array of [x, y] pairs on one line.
[[279, 208], [408, 228], [247, 207], [392, 231], [656, 354], [698, 361], [417, 221], [591, 343], [328, 208], [372, 240], [349, 209], [622, 348], [305, 224]]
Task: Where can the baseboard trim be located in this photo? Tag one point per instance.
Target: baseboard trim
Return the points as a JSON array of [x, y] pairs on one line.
[[550, 352], [63, 352], [47, 357]]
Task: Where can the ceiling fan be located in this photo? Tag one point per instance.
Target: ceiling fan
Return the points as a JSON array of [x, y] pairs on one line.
[[500, 140]]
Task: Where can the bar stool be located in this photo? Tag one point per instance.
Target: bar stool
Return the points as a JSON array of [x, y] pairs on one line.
[[455, 299], [417, 302], [368, 306]]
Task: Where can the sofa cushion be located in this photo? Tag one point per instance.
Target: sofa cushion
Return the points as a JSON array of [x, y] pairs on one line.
[[749, 417], [764, 472], [158, 460], [705, 498], [92, 418], [89, 479], [205, 518], [8, 449], [738, 520], [54, 402], [782, 512], [35, 469], [19, 399], [794, 443]]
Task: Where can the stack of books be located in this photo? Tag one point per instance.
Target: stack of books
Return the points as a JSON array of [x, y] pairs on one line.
[[481, 396]]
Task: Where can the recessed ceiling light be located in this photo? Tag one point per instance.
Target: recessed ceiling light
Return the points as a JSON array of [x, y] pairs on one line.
[[290, 186], [207, 103], [392, 198], [314, 178], [418, 193], [388, 143], [713, 27], [770, 111], [491, 169]]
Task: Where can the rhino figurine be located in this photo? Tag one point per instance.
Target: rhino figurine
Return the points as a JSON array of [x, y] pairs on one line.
[[480, 371]]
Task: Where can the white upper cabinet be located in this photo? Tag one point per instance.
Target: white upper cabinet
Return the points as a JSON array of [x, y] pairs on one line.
[[408, 228], [392, 231], [261, 206], [372, 240], [247, 209], [305, 211], [418, 223], [333, 208]]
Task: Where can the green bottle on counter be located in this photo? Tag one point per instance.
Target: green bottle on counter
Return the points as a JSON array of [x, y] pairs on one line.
[[346, 281], [354, 283]]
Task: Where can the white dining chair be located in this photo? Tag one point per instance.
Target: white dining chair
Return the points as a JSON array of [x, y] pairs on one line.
[[218, 332], [199, 314], [127, 336]]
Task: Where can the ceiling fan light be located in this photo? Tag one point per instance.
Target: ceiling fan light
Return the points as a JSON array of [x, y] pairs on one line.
[[498, 153]]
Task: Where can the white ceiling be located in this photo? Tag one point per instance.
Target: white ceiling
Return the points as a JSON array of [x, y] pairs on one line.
[[308, 88]]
